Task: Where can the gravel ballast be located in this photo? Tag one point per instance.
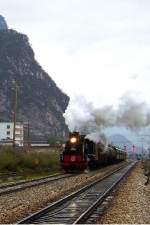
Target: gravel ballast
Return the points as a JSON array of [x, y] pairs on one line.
[[131, 204], [15, 206]]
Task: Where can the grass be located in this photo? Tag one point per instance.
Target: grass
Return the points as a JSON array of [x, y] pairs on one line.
[[28, 163]]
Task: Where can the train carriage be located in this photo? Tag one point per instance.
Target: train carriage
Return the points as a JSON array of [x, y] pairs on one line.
[[80, 153]]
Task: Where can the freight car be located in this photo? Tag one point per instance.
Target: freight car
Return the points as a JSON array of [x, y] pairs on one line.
[[80, 153]]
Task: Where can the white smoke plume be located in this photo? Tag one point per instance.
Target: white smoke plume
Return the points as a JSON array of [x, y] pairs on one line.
[[82, 116], [97, 136], [133, 114]]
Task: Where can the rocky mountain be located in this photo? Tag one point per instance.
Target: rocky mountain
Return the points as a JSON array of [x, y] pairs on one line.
[[3, 24], [39, 100]]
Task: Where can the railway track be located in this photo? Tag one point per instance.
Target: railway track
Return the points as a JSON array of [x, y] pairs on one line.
[[5, 175], [9, 188], [77, 207]]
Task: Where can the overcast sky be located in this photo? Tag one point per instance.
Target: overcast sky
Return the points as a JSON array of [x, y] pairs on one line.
[[96, 48]]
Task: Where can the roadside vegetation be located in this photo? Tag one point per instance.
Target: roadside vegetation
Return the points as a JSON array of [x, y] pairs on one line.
[[26, 163], [146, 167]]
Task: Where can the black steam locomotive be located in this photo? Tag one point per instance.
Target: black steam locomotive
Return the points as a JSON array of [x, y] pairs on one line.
[[80, 153]]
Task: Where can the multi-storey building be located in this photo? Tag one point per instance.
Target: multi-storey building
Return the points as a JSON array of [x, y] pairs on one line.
[[6, 133]]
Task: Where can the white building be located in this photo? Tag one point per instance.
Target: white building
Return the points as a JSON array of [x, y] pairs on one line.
[[6, 133]]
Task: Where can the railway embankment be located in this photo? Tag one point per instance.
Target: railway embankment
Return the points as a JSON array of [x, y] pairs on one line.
[[15, 206], [131, 204]]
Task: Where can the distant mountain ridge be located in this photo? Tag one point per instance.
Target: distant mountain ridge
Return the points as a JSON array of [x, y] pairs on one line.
[[120, 140], [39, 100]]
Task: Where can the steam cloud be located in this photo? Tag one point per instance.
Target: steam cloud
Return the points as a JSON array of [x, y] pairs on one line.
[[82, 116]]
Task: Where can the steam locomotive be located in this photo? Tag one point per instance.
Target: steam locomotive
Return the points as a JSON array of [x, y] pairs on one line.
[[80, 153]]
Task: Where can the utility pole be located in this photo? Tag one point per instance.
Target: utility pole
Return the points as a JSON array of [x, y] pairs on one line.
[[14, 113], [148, 142], [142, 140], [133, 151], [28, 135]]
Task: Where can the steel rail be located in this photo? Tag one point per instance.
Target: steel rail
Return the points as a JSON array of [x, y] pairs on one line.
[[10, 188], [53, 206], [82, 219], [11, 184]]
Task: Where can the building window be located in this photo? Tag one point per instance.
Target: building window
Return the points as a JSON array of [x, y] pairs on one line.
[[8, 126], [8, 132]]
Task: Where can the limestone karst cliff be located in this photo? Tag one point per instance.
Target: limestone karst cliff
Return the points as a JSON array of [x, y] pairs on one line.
[[3, 24], [39, 100]]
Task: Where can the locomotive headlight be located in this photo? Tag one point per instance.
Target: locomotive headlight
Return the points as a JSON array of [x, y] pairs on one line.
[[73, 140]]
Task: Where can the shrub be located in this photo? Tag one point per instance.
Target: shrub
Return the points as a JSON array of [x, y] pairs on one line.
[[146, 167], [11, 160], [8, 160]]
